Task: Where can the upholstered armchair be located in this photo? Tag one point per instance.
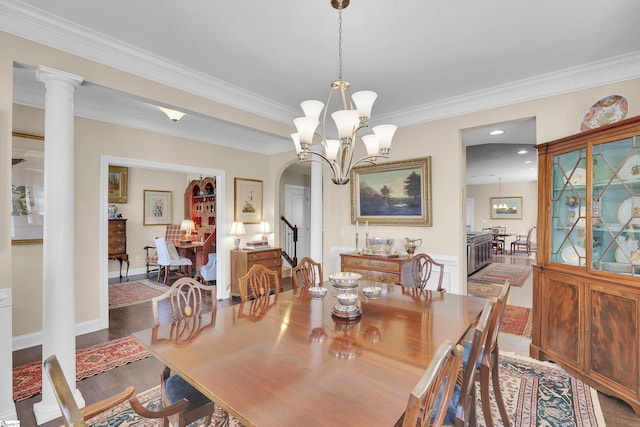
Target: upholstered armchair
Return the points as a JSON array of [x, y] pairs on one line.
[[172, 234]]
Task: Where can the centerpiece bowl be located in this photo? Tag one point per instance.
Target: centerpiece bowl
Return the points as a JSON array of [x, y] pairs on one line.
[[380, 245], [345, 279]]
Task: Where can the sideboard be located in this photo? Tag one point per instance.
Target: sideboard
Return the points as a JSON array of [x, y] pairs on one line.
[[375, 267]]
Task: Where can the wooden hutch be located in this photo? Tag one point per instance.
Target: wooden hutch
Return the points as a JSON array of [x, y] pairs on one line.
[[586, 283], [200, 204]]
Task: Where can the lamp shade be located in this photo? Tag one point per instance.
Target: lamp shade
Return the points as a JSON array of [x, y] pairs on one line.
[[265, 227], [187, 225], [237, 228]]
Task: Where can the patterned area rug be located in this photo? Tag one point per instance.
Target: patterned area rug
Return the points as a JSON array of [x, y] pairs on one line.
[[515, 320], [123, 416], [123, 294], [543, 394], [27, 379], [498, 273], [535, 393], [483, 289]]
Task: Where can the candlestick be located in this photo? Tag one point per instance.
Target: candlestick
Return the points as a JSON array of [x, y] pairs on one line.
[[366, 227], [356, 227], [366, 240], [357, 250]]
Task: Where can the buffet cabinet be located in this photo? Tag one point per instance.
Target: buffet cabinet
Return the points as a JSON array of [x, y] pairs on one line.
[[243, 259], [377, 268], [586, 296]]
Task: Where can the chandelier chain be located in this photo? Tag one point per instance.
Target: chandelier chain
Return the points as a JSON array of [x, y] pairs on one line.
[[340, 44]]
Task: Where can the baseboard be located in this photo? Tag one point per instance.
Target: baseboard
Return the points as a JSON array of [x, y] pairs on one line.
[[34, 339]]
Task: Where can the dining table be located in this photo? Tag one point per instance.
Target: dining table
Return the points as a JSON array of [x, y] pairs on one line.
[[292, 359]]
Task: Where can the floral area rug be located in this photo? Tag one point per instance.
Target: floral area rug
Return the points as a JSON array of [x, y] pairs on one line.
[[27, 379], [543, 394], [516, 320], [498, 273], [123, 294], [535, 393], [483, 289], [123, 416]]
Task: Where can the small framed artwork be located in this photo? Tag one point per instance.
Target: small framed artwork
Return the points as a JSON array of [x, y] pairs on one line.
[[27, 188], [157, 207], [506, 207], [118, 177], [394, 193], [248, 200]]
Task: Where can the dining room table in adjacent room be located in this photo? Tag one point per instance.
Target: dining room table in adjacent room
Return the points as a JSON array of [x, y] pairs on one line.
[[290, 360]]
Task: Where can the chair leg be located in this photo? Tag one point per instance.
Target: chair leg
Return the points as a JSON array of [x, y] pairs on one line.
[[495, 381], [159, 270], [485, 397], [166, 274]]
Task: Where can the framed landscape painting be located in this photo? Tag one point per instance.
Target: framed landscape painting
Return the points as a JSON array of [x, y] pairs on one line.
[[394, 193], [118, 177], [157, 207], [506, 207], [248, 200]]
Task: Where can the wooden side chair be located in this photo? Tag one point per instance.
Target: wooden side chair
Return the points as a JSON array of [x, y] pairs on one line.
[[170, 258], [429, 399], [187, 299], [421, 269], [74, 416], [525, 243], [258, 281], [307, 273]]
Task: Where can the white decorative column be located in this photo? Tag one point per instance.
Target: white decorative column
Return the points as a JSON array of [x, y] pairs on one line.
[[315, 226], [58, 250]]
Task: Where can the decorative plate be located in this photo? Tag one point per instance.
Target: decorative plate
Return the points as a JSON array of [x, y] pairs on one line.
[[628, 252], [572, 255], [630, 168], [629, 209], [608, 110], [579, 177]]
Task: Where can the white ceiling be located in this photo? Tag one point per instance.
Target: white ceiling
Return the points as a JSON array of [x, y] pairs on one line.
[[426, 59]]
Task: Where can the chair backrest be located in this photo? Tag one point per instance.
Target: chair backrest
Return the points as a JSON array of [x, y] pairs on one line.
[[421, 268], [493, 327], [532, 236], [258, 281], [466, 402], [429, 399], [307, 273], [186, 297], [70, 411], [173, 234], [163, 253], [256, 309]]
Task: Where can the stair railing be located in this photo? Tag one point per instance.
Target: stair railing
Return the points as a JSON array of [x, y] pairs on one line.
[[290, 247]]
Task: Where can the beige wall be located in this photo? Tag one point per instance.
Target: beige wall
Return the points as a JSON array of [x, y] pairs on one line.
[[555, 116]]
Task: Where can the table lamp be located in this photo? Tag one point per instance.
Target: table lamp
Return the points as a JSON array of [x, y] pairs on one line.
[[187, 226], [237, 229], [265, 229]]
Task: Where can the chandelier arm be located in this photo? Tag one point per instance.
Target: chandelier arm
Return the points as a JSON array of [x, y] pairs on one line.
[[370, 159], [327, 162]]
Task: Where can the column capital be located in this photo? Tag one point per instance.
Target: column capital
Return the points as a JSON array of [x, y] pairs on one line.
[[46, 74]]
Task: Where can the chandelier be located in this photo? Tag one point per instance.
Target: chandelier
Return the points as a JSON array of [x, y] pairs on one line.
[[500, 205], [350, 116]]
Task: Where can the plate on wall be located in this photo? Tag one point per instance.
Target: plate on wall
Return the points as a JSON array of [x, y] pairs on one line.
[[630, 168], [608, 110], [571, 255], [626, 208]]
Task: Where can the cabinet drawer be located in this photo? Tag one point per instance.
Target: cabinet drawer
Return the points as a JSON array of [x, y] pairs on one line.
[[375, 276], [371, 264], [117, 248], [260, 256], [271, 263], [117, 240], [116, 226]]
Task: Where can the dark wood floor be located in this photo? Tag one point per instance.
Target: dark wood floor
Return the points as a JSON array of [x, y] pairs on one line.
[[145, 374]]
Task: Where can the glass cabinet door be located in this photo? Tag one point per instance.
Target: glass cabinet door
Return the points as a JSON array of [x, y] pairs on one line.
[[615, 222], [569, 208]]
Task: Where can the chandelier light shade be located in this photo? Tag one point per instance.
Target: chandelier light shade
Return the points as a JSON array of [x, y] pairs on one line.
[[500, 204], [349, 115], [174, 115]]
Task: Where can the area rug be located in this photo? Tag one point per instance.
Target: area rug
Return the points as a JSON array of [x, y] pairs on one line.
[[515, 320], [123, 416], [498, 273], [27, 379], [483, 289], [535, 393], [542, 394], [123, 294]]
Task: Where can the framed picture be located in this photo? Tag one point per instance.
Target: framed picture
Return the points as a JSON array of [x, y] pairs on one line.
[[27, 188], [394, 193], [506, 207], [248, 200], [157, 207], [118, 177]]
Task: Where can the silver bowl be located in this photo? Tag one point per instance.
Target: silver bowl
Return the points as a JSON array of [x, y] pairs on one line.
[[345, 279], [317, 291], [347, 298], [372, 291], [380, 245]]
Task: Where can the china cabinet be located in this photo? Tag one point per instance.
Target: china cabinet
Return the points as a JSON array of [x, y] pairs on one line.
[[200, 204], [586, 296]]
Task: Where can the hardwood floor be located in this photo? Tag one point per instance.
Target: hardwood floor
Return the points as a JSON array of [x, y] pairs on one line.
[[145, 374]]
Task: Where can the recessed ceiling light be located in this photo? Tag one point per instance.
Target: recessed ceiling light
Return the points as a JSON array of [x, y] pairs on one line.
[[522, 152], [496, 132], [527, 162]]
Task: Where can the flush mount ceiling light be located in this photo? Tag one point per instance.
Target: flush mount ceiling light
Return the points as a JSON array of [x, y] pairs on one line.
[[350, 115], [496, 132], [174, 115]]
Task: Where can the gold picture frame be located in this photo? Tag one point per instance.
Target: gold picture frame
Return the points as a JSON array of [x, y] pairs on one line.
[[118, 181], [506, 207], [394, 193], [248, 200]]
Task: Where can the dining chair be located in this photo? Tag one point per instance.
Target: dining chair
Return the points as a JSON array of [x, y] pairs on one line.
[[168, 257], [525, 243], [256, 309], [258, 281], [187, 300], [429, 399], [75, 416], [421, 269], [172, 234], [307, 273]]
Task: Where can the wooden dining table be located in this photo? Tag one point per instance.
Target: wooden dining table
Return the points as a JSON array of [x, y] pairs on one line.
[[288, 360]]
